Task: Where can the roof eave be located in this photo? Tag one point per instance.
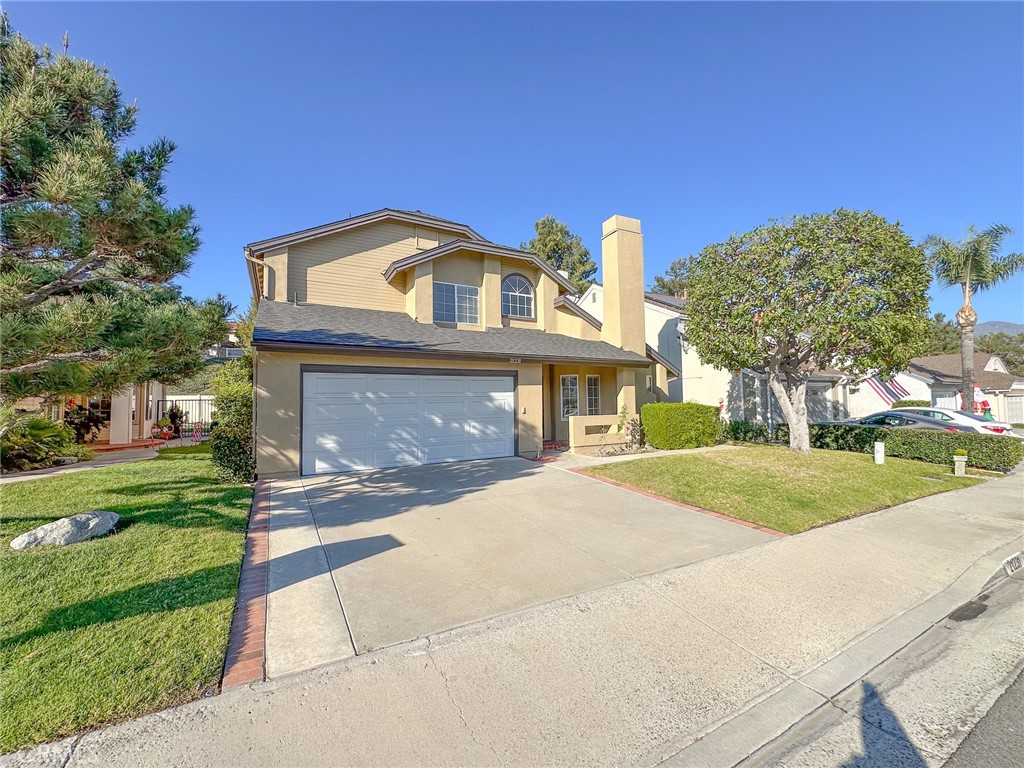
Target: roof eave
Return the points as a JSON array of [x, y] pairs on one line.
[[355, 349]]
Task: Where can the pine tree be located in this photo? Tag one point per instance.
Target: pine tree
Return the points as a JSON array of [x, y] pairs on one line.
[[88, 243], [563, 250]]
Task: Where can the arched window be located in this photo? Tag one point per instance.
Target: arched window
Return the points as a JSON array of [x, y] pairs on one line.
[[516, 297]]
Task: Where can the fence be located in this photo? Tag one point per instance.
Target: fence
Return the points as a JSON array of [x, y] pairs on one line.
[[194, 410]]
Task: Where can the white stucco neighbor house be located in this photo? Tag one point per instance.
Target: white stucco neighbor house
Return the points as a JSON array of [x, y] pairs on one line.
[[831, 395], [740, 394]]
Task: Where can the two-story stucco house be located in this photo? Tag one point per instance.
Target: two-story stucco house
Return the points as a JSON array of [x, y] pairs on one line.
[[397, 338]]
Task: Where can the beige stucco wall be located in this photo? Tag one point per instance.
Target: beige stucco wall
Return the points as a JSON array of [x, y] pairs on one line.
[[568, 323], [345, 269], [609, 394], [278, 385]]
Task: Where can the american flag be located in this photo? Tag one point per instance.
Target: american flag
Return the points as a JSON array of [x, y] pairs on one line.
[[890, 391]]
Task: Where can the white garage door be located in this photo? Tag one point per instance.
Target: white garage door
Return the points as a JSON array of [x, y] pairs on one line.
[[371, 420]]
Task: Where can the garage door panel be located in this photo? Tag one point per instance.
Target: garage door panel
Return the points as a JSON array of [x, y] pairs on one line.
[[444, 429], [366, 421], [480, 407], [489, 428], [343, 384], [336, 436], [396, 456], [438, 385], [398, 409], [434, 407], [490, 449]]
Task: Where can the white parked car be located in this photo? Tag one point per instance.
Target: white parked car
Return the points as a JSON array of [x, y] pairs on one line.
[[969, 420]]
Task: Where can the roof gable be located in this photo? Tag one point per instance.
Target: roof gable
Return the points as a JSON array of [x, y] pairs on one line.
[[385, 214], [478, 246]]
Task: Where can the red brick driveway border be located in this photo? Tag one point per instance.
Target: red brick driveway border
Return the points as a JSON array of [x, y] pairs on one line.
[[690, 507], [246, 658]]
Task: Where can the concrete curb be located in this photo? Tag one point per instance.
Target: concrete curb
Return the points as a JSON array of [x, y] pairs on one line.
[[734, 740]]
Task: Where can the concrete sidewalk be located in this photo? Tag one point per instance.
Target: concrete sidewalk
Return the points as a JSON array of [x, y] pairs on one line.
[[699, 665]]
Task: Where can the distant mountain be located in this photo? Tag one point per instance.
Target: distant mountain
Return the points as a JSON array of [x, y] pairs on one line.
[[998, 326]]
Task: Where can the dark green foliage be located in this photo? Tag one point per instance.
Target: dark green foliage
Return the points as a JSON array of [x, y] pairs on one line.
[[670, 426], [89, 244], [35, 442], [231, 439], [563, 250], [200, 383], [943, 336], [676, 278], [992, 452], [746, 432], [911, 404], [86, 421], [174, 416]]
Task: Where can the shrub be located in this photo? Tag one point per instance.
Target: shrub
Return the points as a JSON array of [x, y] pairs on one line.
[[993, 452], [231, 452], [231, 439], [681, 425], [911, 404], [746, 432], [35, 442], [86, 421]]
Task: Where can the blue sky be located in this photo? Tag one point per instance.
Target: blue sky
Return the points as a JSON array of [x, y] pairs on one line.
[[699, 119]]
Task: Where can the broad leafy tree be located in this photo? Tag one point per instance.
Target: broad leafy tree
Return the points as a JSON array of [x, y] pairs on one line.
[[675, 280], [563, 250], [974, 264], [88, 242], [843, 290]]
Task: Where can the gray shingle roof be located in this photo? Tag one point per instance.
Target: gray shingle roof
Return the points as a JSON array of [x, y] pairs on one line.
[[369, 329], [946, 369], [665, 300]]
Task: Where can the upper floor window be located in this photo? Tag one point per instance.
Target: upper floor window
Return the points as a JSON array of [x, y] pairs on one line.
[[456, 303], [516, 297]]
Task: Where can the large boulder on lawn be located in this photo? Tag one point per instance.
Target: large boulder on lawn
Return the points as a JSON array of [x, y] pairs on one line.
[[68, 530]]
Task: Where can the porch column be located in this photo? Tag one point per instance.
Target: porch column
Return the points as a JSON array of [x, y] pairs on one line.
[[121, 418], [625, 391]]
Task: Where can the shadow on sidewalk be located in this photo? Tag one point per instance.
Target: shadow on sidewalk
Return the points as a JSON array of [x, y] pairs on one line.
[[885, 742]]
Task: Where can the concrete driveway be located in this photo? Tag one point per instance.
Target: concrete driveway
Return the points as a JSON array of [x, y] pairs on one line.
[[365, 560]]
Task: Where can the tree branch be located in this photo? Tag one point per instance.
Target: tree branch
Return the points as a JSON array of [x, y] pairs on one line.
[[62, 357]]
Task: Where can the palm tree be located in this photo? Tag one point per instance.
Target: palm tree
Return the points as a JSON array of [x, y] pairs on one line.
[[972, 263]]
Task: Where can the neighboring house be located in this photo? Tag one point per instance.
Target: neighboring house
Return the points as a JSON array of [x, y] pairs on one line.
[[1003, 390], [130, 413], [229, 348], [398, 338], [739, 394]]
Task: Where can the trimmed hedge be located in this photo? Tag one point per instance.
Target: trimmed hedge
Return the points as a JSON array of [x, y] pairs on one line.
[[993, 452], [912, 404], [670, 426]]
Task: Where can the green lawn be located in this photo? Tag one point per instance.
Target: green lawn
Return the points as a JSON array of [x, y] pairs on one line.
[[782, 490], [125, 624]]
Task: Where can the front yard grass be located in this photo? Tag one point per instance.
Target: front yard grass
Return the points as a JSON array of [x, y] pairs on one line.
[[117, 626], [778, 489]]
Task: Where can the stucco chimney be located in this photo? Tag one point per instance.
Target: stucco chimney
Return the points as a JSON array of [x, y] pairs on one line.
[[622, 266]]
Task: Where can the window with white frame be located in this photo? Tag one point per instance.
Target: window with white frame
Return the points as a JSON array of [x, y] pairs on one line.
[[593, 395], [456, 303], [570, 396], [516, 297]]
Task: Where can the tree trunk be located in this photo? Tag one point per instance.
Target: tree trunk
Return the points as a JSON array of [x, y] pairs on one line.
[[791, 397], [966, 319]]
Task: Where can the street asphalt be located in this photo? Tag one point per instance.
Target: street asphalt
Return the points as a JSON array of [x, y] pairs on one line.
[[997, 741]]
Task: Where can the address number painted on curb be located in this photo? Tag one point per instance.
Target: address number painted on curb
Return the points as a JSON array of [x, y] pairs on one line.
[[1013, 563]]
